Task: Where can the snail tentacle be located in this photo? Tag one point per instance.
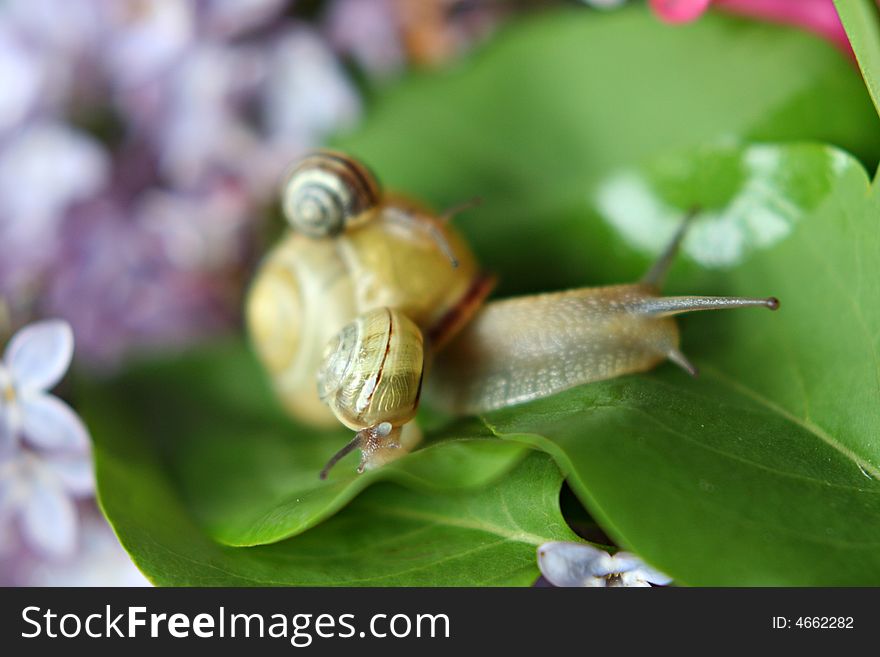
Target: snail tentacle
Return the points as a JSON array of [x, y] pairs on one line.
[[449, 213], [426, 224], [657, 273]]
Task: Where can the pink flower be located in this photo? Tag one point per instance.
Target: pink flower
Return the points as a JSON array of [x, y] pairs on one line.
[[818, 16], [679, 11]]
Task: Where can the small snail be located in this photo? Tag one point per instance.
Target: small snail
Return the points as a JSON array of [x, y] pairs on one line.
[[327, 193], [371, 378], [471, 357], [352, 249]]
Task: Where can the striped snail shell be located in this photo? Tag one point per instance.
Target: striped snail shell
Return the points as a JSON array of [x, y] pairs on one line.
[[327, 192], [371, 372]]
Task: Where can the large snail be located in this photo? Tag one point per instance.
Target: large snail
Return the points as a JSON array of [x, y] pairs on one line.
[[471, 357], [352, 249]]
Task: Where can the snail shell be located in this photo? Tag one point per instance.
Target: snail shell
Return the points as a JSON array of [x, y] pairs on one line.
[[372, 370], [300, 299], [325, 193], [394, 262]]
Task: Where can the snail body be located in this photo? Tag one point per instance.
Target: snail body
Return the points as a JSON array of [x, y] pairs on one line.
[[352, 249], [526, 348]]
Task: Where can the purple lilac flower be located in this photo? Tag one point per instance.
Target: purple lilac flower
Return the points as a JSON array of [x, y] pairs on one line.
[[45, 168], [173, 122], [21, 74], [229, 18], [307, 95], [146, 282], [368, 32], [199, 125]]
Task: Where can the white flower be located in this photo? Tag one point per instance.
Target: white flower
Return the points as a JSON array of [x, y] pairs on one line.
[[99, 560], [37, 491], [579, 564], [35, 360], [44, 447]]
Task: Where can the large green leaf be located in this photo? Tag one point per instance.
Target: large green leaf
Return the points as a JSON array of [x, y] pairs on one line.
[[766, 469], [389, 536], [246, 472], [534, 122]]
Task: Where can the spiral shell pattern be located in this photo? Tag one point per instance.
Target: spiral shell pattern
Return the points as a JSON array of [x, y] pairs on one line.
[[372, 370], [327, 192]]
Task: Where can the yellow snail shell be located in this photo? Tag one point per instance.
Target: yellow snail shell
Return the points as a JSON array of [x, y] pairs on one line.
[[372, 370], [301, 297]]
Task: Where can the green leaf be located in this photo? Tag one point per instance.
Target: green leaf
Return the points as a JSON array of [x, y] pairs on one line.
[[862, 25], [765, 469], [246, 472], [389, 536]]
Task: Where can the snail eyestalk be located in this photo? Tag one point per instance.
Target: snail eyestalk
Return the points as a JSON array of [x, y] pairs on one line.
[[429, 226], [370, 441], [442, 243], [655, 275], [437, 234], [458, 208], [341, 454], [668, 306]]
